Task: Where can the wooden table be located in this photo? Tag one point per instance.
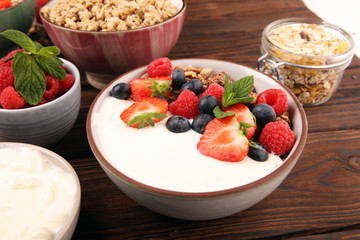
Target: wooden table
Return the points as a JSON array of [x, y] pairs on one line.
[[320, 199]]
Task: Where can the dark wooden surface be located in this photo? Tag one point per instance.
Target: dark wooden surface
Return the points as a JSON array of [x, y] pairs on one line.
[[320, 199]]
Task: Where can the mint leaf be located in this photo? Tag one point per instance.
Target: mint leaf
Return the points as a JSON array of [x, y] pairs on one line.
[[146, 118], [53, 50], [29, 78], [220, 114], [243, 86], [51, 65], [237, 92], [38, 46], [20, 39]]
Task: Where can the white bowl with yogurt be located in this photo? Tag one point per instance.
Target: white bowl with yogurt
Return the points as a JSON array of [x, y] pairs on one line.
[[40, 194], [164, 171]]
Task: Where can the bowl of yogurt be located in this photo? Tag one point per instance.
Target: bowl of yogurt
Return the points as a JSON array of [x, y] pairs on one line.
[[40, 193], [164, 171]]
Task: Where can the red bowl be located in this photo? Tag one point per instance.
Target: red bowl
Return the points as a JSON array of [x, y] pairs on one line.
[[106, 55]]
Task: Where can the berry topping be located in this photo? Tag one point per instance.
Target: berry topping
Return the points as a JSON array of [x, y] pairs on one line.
[[7, 60], [264, 114], [66, 84], [150, 87], [52, 88], [178, 78], [277, 137], [186, 105], [10, 99], [31, 65], [144, 112], [215, 90], [159, 67], [198, 87], [121, 91], [187, 85], [200, 122], [207, 104], [5, 4], [244, 117], [276, 98], [257, 152], [6, 77], [178, 124], [223, 140]]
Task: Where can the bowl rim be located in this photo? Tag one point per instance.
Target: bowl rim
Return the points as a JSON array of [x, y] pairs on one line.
[[71, 68], [288, 163], [14, 6], [46, 21], [65, 166]]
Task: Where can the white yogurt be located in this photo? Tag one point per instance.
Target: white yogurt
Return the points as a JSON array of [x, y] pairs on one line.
[[157, 157], [36, 196]]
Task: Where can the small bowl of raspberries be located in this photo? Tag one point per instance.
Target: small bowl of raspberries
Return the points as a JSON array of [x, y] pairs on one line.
[[196, 139], [39, 93]]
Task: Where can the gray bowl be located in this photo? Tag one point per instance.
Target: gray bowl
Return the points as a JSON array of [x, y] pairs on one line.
[[46, 124]]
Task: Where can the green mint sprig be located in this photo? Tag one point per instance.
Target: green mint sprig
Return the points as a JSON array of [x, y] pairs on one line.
[[29, 66], [146, 118], [236, 92]]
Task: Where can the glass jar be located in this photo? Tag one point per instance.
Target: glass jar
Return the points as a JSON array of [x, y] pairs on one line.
[[308, 55]]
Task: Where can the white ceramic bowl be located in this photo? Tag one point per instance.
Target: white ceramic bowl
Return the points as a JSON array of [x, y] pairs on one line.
[[46, 124], [67, 230], [202, 205]]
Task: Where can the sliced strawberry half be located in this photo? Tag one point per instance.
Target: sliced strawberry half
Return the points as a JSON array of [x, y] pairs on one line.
[[223, 140], [145, 112], [150, 87], [243, 115]]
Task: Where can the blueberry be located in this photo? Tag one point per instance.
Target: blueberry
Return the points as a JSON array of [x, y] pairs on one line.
[[178, 124], [257, 153], [198, 87], [121, 91], [207, 104], [187, 85], [264, 114], [178, 78], [200, 122]]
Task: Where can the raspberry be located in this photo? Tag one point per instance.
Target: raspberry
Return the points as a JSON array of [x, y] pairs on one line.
[[66, 84], [276, 98], [159, 67], [186, 105], [6, 77], [9, 63], [215, 90], [10, 99], [52, 88], [277, 137]]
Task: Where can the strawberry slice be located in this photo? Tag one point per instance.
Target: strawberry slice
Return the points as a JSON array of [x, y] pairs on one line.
[[150, 87], [145, 112], [223, 140], [244, 117]]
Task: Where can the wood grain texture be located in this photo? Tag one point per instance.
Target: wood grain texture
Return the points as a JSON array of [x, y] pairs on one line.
[[320, 199]]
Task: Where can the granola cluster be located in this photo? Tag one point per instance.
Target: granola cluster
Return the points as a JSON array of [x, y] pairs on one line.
[[311, 86], [109, 15], [205, 75]]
